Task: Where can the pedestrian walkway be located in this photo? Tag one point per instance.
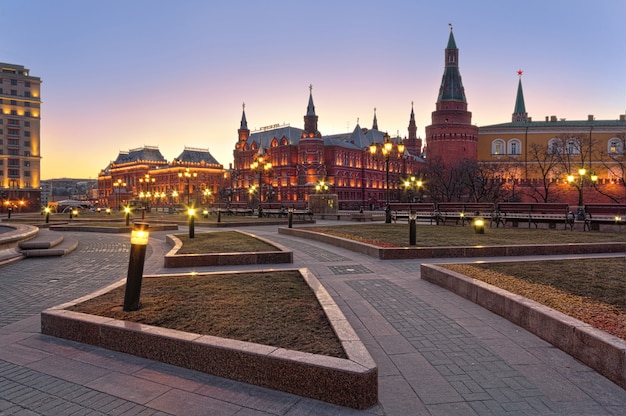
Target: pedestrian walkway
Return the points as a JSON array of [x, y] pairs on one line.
[[437, 354]]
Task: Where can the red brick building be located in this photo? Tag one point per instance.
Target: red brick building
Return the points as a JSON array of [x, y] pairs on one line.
[[284, 164]]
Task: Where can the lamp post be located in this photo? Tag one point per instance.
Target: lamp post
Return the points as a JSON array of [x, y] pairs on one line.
[[47, 211], [322, 186], [138, 242], [593, 178], [386, 150], [116, 188], [413, 184], [147, 180], [127, 215], [188, 175], [261, 165]]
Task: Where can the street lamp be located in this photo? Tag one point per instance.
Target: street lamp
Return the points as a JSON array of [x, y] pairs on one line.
[[593, 178], [411, 184], [322, 186], [192, 231], [147, 180], [116, 188], [386, 150], [188, 175], [261, 165]]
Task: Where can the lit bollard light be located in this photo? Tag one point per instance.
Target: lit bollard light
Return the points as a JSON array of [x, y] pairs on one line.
[[290, 217], [192, 214], [138, 242], [479, 226], [219, 215], [47, 210], [412, 228], [127, 215]]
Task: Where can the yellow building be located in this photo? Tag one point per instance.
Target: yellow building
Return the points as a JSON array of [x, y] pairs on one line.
[[20, 107], [555, 151]]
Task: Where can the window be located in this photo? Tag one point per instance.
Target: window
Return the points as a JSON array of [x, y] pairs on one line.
[[13, 82], [27, 143], [497, 147], [27, 104], [14, 122], [27, 163], [13, 102], [14, 173], [14, 142], [555, 146], [14, 162], [26, 124], [14, 132], [27, 174], [14, 152], [27, 84], [27, 153], [26, 133], [26, 93], [616, 147], [13, 92], [515, 147], [572, 147]]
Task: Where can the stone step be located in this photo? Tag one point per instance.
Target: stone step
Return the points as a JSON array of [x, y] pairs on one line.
[[47, 243], [10, 255], [44, 239]]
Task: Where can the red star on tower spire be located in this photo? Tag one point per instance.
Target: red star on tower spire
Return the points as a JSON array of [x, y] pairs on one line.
[[520, 72]]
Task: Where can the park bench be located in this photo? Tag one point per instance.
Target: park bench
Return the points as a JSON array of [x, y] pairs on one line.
[[423, 210], [533, 213], [464, 211], [273, 209], [237, 208], [302, 212], [596, 214]]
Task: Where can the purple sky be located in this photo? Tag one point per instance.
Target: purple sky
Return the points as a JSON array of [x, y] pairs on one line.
[[122, 74]]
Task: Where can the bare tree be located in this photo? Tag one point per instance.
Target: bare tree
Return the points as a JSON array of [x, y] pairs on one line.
[[545, 162]]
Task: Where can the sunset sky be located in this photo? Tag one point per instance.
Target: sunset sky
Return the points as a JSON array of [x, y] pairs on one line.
[[122, 74]]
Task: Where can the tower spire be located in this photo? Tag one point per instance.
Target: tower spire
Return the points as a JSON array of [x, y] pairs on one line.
[[519, 113], [244, 131], [451, 85], [375, 123], [310, 119]]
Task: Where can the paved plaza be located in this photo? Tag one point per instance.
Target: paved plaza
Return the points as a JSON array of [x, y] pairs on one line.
[[437, 354]]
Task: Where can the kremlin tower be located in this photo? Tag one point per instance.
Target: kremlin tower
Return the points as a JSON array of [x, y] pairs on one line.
[[451, 138]]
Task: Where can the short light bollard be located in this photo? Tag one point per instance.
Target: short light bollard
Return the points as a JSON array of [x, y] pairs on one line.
[[412, 228], [290, 218], [479, 226], [192, 214], [127, 215], [205, 213], [47, 211], [219, 215], [138, 242]]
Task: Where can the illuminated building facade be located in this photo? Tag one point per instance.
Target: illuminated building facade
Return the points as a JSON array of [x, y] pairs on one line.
[[143, 177], [20, 157], [285, 164]]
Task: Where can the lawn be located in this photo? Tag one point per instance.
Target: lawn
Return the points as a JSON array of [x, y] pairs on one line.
[[222, 242], [273, 308], [591, 290], [397, 235]]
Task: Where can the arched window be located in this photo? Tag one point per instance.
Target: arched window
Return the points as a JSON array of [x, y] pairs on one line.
[[616, 146], [284, 141], [274, 142], [572, 147], [254, 146], [515, 147], [555, 146], [497, 147]]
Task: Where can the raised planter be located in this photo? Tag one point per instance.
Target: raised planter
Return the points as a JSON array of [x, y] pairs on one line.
[[351, 382], [599, 350], [397, 253], [172, 260]]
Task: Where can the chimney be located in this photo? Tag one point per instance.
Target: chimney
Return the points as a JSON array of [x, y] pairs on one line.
[[547, 118], [622, 117], [590, 117], [552, 118]]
